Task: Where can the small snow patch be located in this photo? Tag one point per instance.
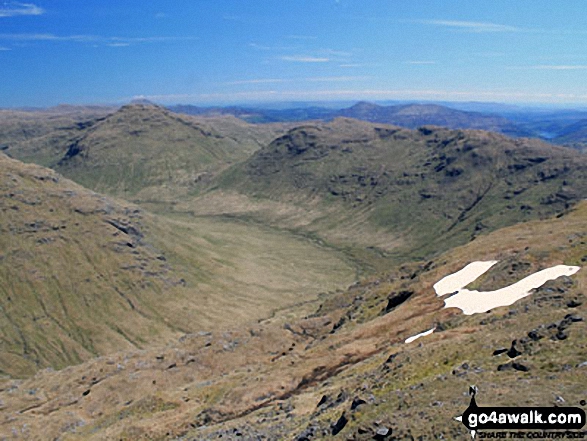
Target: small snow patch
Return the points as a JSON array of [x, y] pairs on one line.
[[421, 334]]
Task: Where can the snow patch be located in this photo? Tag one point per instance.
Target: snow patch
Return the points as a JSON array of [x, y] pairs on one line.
[[462, 278], [475, 302], [421, 334]]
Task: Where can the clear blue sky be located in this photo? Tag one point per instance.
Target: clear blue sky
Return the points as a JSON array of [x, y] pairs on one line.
[[236, 51]]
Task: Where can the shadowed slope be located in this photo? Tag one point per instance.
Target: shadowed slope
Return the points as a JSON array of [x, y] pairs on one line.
[[406, 192], [42, 136], [82, 274]]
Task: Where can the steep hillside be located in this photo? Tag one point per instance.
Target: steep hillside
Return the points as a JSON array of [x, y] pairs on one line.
[[405, 192], [83, 275], [143, 152], [21, 130], [340, 369]]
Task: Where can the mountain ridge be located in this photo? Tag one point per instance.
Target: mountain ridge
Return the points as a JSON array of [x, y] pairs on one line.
[[404, 115], [385, 175]]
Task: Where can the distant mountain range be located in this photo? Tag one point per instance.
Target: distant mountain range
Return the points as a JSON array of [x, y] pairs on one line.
[[409, 115], [555, 126]]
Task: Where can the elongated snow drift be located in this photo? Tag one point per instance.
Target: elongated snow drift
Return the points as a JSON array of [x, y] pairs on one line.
[[421, 334], [474, 302]]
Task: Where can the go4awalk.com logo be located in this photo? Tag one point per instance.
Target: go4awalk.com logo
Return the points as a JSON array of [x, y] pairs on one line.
[[528, 422]]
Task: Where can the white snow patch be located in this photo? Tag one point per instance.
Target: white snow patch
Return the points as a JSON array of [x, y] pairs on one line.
[[474, 302], [462, 278], [421, 334]]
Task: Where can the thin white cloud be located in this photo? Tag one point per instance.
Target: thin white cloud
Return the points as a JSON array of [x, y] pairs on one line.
[[47, 37], [335, 53], [304, 59], [257, 81], [559, 67], [471, 26], [355, 65], [420, 62], [260, 47], [358, 94], [297, 80], [90, 38], [2, 48], [335, 79], [13, 9], [301, 37]]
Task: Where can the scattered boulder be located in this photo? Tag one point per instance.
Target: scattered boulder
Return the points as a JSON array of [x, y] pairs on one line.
[[573, 304], [382, 433], [513, 365], [499, 351], [357, 402], [322, 401], [573, 318], [396, 299], [310, 432], [534, 335], [391, 358], [505, 367], [340, 424], [513, 352], [520, 367], [340, 398]]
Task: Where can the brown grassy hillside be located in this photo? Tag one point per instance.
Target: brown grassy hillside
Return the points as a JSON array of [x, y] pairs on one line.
[[82, 274], [295, 375]]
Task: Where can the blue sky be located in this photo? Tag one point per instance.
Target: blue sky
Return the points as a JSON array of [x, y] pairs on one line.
[[238, 51]]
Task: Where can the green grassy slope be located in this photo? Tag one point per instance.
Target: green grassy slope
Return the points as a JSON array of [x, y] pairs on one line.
[[43, 136], [140, 152], [82, 274], [144, 151], [407, 192], [294, 375]]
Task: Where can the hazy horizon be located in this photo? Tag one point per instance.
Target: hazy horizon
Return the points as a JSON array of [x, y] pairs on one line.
[[231, 52]]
